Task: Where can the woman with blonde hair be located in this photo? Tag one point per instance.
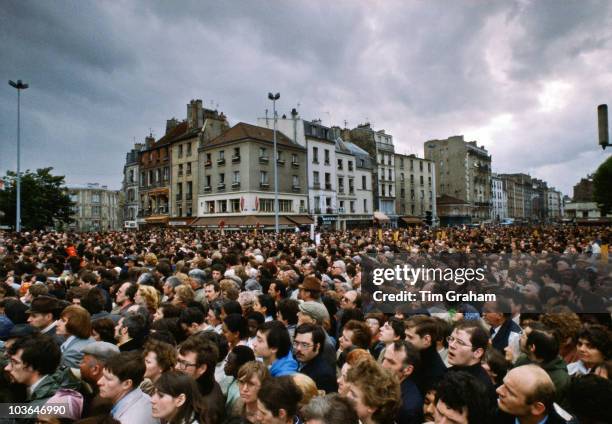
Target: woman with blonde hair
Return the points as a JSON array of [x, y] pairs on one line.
[[308, 388], [352, 357], [183, 295], [148, 297], [250, 378]]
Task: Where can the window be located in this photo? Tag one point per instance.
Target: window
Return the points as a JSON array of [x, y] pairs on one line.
[[266, 205], [411, 165], [364, 182], [351, 186], [143, 178], [221, 178], [401, 176], [222, 206], [188, 168], [221, 154], [151, 177], [166, 173], [428, 167], [210, 206], [412, 194], [236, 155], [285, 205], [95, 210], [401, 163], [382, 190], [341, 184], [317, 203], [326, 157], [263, 152], [179, 191], [263, 178], [327, 181], [189, 189], [340, 164], [208, 158], [236, 177], [352, 203], [95, 198], [157, 175], [74, 197], [295, 181], [188, 149], [421, 178], [365, 205], [235, 205], [294, 159], [421, 166], [390, 175], [411, 178], [361, 163], [315, 178], [180, 170], [429, 181], [208, 182], [350, 165], [132, 176], [315, 155], [180, 151]]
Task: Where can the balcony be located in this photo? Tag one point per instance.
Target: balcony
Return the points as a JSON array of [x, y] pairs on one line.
[[264, 159], [221, 161], [280, 162], [236, 184], [295, 164], [207, 164], [235, 159], [295, 188], [265, 186], [207, 188], [221, 186]]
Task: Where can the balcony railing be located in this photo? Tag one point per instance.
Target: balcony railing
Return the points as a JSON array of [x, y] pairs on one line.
[[221, 161], [295, 188], [295, 164], [316, 186], [207, 164], [221, 186], [280, 162], [236, 159], [264, 185], [207, 188], [264, 159], [236, 184]]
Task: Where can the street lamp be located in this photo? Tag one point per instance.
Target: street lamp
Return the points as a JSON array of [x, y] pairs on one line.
[[19, 86], [274, 98]]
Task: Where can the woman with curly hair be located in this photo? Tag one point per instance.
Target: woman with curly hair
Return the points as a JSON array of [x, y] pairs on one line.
[[158, 357], [567, 325], [148, 297], [374, 391]]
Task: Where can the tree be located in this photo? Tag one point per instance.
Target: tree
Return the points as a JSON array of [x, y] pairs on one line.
[[44, 200], [602, 187]]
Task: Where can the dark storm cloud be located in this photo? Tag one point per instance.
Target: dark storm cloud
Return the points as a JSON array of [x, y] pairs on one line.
[[511, 74]]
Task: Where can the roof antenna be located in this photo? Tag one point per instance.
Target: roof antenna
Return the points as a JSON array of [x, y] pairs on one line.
[[267, 126]]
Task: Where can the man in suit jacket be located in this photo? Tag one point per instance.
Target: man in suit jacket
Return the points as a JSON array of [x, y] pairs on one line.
[[308, 348], [119, 383], [504, 331], [527, 395]]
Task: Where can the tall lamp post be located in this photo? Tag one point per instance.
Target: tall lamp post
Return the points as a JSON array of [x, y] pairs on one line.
[[274, 98], [19, 86]]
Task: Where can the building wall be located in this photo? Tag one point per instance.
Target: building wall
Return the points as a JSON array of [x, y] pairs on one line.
[[96, 209], [249, 167], [184, 189], [499, 199], [415, 185]]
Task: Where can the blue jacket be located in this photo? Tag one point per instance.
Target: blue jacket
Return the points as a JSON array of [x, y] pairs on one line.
[[72, 351], [284, 366]]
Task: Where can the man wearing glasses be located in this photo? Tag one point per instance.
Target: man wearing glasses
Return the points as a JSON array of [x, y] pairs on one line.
[[197, 357], [467, 345], [308, 347]]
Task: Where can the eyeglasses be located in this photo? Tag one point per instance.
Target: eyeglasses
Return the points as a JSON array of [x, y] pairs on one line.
[[303, 345], [451, 339], [346, 299], [184, 364]]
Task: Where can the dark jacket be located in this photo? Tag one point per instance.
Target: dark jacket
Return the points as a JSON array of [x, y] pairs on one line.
[[130, 345], [411, 408], [214, 403], [479, 372], [323, 375], [431, 371], [43, 391], [500, 341]]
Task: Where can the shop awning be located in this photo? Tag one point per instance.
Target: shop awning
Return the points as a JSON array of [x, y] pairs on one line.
[[301, 219], [241, 221], [413, 220], [208, 221], [381, 217], [156, 219]]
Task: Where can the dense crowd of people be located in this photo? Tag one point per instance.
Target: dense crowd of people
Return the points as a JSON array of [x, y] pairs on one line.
[[209, 327]]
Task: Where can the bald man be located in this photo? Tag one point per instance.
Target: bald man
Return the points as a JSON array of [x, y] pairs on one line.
[[527, 395]]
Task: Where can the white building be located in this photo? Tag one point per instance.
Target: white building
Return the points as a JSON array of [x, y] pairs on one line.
[[554, 202], [129, 187], [321, 159], [499, 199], [96, 208], [355, 198]]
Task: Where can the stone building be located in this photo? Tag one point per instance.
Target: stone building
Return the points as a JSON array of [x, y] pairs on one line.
[[96, 208], [416, 188], [520, 191], [129, 187], [499, 199], [463, 171], [237, 180], [154, 182], [321, 164]]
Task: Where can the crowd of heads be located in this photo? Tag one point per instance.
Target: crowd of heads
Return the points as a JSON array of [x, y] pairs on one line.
[[190, 326]]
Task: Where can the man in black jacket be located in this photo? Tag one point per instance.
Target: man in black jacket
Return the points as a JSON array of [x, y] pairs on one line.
[[421, 332], [308, 347]]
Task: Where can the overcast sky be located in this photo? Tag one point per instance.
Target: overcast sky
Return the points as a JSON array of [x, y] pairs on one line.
[[523, 78]]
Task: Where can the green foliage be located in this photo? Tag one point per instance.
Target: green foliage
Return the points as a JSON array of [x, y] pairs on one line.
[[44, 200], [602, 186]]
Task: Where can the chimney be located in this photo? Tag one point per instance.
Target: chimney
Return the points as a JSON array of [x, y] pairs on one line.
[[199, 114], [171, 124], [149, 141], [195, 114]]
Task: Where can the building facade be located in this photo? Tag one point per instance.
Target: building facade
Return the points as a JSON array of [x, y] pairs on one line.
[[129, 187], [463, 171], [96, 208], [154, 182], [499, 199], [354, 173], [554, 201], [237, 184], [415, 183]]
